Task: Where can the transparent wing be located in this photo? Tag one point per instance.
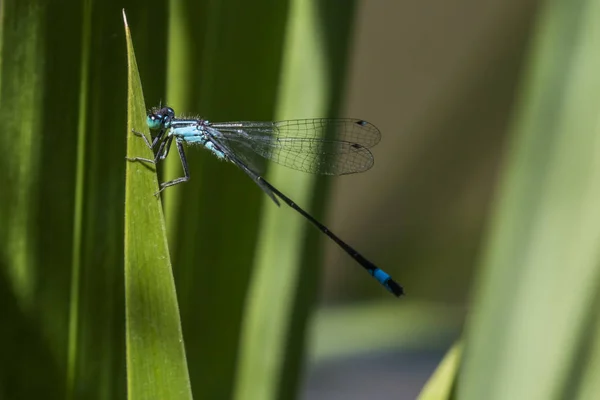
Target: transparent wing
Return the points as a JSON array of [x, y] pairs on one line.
[[318, 146]]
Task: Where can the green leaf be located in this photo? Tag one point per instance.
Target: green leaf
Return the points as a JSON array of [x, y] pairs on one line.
[[273, 331], [156, 363], [537, 293], [33, 292], [212, 234], [589, 386], [22, 109], [441, 383], [79, 203]]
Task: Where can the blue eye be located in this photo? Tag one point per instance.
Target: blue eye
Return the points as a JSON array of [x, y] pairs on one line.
[[154, 122]]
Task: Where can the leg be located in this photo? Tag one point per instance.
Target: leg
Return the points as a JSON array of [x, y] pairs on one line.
[[158, 137], [140, 159], [140, 134], [186, 171], [167, 147], [159, 156], [150, 146], [163, 151]]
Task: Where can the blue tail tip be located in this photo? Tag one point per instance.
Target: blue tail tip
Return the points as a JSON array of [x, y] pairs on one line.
[[391, 285]]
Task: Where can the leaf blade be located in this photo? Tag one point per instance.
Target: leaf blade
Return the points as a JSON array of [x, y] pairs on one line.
[[156, 362]]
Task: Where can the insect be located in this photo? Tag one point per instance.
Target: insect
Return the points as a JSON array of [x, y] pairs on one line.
[[319, 146]]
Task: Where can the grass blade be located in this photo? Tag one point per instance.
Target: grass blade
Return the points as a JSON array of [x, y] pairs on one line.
[[542, 264], [21, 105], [273, 332], [156, 363], [79, 203], [32, 345], [211, 234], [441, 383]]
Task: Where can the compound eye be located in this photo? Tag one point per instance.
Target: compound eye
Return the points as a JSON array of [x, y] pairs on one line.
[[170, 113], [154, 121]]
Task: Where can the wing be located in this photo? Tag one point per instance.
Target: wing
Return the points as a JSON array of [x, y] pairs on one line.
[[319, 146]]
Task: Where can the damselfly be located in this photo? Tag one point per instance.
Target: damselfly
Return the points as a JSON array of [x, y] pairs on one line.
[[319, 146]]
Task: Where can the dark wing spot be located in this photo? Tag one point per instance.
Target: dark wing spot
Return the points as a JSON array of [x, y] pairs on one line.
[[361, 123]]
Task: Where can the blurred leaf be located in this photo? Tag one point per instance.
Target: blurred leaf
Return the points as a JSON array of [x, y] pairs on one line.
[[156, 364], [222, 65], [589, 386], [441, 384], [80, 174], [273, 331], [34, 294], [21, 106], [521, 343]]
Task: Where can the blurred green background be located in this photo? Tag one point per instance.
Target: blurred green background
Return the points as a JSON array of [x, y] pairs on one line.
[[482, 201]]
